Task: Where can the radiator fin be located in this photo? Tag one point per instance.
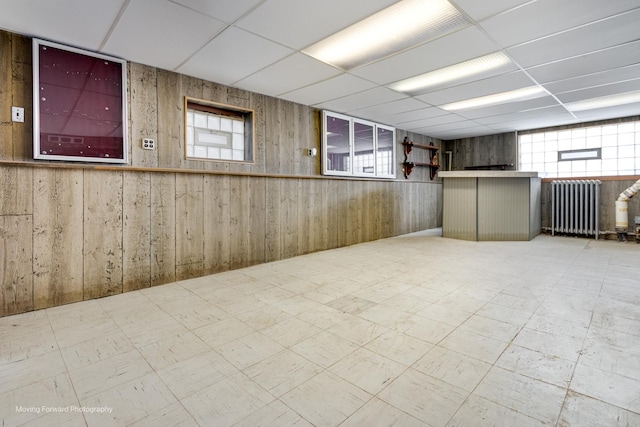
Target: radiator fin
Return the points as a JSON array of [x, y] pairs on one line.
[[575, 207]]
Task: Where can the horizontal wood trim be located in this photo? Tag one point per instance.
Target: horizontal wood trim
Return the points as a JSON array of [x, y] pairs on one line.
[[106, 167], [601, 178]]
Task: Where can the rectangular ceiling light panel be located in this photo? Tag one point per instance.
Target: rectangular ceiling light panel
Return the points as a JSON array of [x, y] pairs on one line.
[[474, 69], [605, 101], [396, 28], [523, 94]]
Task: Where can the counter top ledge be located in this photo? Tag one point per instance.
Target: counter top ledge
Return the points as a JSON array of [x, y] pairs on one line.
[[487, 174]]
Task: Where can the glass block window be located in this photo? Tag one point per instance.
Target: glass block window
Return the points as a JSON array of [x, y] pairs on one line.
[[357, 147], [217, 132], [612, 149]]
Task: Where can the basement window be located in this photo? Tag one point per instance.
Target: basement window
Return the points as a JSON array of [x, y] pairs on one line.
[[218, 132], [355, 147]]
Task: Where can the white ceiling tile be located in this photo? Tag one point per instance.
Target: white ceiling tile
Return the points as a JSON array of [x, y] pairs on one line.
[[520, 106], [377, 95], [393, 107], [291, 73], [579, 41], [452, 49], [479, 10], [228, 11], [51, 20], [411, 116], [502, 83], [609, 113], [336, 87], [553, 111], [434, 121], [298, 24], [233, 55], [142, 33], [523, 23], [596, 79], [596, 92], [607, 59]]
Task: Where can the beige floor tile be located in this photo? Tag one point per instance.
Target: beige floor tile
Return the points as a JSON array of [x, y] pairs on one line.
[[129, 402], [537, 365], [490, 328], [525, 395], [84, 331], [622, 341], [408, 303], [399, 346], [37, 402], [173, 349], [429, 330], [290, 331], [424, 397], [323, 316], [157, 326], [479, 412], [611, 388], [173, 415], [453, 368], [610, 359], [357, 330], [325, 400], [273, 295], [275, 414], [263, 317], [445, 313], [325, 294], [551, 344], [386, 316], [26, 342], [223, 332], [297, 305], [505, 314], [282, 372], [583, 411], [249, 350], [108, 373], [171, 292], [14, 375], [557, 326], [474, 345], [197, 373], [227, 402], [97, 349], [194, 312], [368, 370], [324, 348], [66, 316], [378, 413], [351, 304], [615, 322]]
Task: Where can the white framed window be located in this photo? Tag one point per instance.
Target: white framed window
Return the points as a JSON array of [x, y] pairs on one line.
[[355, 147], [606, 150], [218, 132]]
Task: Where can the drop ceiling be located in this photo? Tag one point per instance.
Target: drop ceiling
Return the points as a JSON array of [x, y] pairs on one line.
[[573, 49]]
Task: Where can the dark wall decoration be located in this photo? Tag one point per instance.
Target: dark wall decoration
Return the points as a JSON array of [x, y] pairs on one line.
[[79, 105]]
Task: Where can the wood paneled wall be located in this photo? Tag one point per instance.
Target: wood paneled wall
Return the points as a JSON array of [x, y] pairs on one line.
[[75, 232], [483, 150]]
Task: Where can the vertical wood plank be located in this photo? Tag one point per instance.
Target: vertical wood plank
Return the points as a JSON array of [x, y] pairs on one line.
[[22, 97], [217, 246], [16, 190], [305, 214], [170, 120], [6, 94], [259, 133], [189, 226], [16, 251], [257, 220], [239, 207], [143, 110], [331, 194], [273, 226], [289, 217], [163, 228], [57, 244], [136, 242], [102, 233]]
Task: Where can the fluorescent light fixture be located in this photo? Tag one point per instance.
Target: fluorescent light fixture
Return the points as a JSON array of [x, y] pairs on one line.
[[398, 27], [523, 94], [478, 67], [605, 101]]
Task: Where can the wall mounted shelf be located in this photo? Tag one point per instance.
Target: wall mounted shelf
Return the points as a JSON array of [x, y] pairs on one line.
[[433, 164]]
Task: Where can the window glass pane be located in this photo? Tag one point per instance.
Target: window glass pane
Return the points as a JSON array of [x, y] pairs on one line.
[[338, 147], [363, 156], [626, 151], [385, 153]]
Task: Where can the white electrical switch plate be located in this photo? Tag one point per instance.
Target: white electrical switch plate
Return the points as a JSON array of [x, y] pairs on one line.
[[17, 114], [148, 144]]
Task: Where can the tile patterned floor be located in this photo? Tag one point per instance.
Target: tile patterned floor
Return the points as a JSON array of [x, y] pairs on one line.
[[410, 331]]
